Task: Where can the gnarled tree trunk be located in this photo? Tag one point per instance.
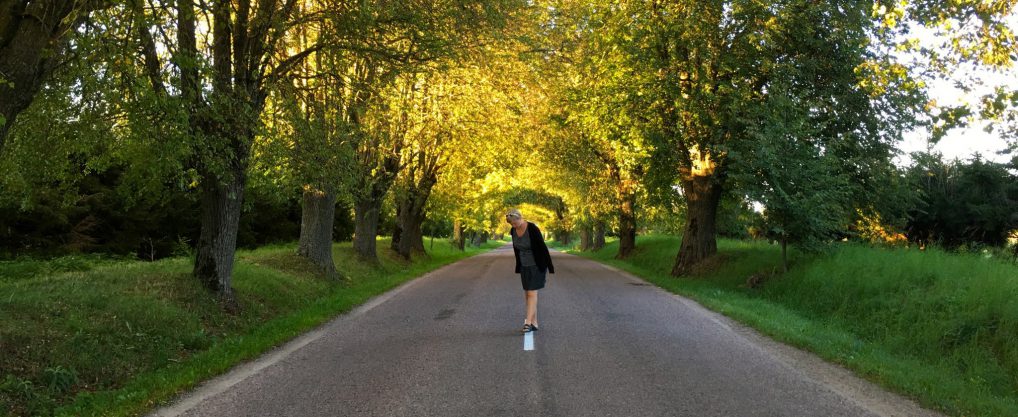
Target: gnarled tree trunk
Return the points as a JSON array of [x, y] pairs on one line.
[[412, 241], [598, 235], [375, 183], [409, 220], [221, 200], [225, 118], [365, 230], [318, 213], [397, 230], [410, 212], [699, 241], [457, 235], [586, 238], [627, 226]]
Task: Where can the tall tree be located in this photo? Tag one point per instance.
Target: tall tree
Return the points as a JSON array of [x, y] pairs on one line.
[[799, 185], [459, 44], [599, 147], [310, 131], [33, 41], [407, 37], [435, 121], [698, 67], [227, 54], [378, 159], [93, 120]]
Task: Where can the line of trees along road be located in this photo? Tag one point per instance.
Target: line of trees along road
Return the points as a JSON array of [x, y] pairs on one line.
[[322, 96], [796, 105], [118, 119]]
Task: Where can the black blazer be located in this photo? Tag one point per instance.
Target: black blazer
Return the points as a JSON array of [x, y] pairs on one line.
[[541, 254]]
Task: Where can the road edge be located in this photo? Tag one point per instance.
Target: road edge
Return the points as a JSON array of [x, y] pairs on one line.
[[838, 379], [238, 373]]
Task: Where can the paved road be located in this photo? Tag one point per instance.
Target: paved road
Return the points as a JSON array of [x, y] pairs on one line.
[[609, 345]]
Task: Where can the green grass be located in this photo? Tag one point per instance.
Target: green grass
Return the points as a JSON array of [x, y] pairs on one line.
[[938, 327], [90, 336]]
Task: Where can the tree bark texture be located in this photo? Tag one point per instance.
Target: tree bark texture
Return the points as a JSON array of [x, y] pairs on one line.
[[457, 235], [412, 242], [699, 241], [410, 214], [627, 225], [375, 181], [411, 217], [220, 218], [32, 40], [318, 213], [599, 227], [365, 230], [397, 231], [586, 238]]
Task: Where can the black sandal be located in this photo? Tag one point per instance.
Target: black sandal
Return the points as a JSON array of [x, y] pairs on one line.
[[527, 328]]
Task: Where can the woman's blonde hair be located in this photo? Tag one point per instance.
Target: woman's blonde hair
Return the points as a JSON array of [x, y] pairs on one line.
[[514, 213]]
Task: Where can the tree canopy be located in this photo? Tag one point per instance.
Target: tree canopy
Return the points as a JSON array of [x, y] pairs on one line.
[[239, 122]]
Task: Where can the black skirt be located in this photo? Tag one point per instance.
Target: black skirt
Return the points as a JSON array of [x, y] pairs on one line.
[[532, 277]]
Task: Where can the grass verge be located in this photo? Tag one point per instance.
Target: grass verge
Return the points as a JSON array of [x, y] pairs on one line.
[[939, 327], [115, 337]]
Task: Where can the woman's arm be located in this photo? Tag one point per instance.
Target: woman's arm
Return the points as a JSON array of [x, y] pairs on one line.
[[542, 248]]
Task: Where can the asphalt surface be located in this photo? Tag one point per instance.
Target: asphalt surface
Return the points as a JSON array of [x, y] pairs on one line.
[[447, 344]]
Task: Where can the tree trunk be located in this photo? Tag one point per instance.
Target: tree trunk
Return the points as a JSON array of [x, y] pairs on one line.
[[598, 236], [397, 229], [225, 129], [374, 183], [699, 241], [32, 35], [228, 138], [220, 218], [318, 213], [365, 230], [586, 238], [410, 216], [457, 235], [409, 221], [627, 226], [412, 241]]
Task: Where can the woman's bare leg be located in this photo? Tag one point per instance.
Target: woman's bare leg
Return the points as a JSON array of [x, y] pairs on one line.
[[531, 307], [526, 307]]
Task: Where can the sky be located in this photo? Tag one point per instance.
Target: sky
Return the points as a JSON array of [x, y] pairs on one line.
[[963, 143]]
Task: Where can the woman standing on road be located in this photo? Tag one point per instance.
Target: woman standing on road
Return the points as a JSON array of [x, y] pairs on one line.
[[532, 261]]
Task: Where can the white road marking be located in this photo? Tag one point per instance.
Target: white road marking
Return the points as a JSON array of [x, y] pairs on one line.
[[528, 341]]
